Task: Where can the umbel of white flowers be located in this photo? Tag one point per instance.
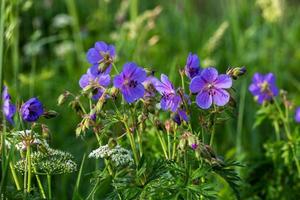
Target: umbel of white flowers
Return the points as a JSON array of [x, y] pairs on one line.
[[117, 155], [50, 162]]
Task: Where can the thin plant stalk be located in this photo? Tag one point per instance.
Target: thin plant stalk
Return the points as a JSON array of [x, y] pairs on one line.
[[28, 159], [49, 186], [39, 184], [132, 143], [174, 146], [14, 175], [163, 144]]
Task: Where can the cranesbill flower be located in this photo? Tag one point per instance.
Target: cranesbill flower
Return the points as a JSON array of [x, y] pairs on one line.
[[9, 109], [31, 110], [98, 83], [170, 99], [192, 66], [297, 115], [263, 87], [130, 80], [211, 88], [101, 53]]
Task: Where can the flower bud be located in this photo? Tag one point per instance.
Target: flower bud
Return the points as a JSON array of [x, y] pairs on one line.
[[50, 114], [168, 125], [62, 98], [114, 92], [236, 72], [45, 131]]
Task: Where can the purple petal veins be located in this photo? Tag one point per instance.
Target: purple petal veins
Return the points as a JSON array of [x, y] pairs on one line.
[[130, 80], [210, 88], [31, 110]]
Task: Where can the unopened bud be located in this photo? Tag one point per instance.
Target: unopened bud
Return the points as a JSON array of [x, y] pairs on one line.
[[62, 98], [50, 114], [168, 125], [236, 72]]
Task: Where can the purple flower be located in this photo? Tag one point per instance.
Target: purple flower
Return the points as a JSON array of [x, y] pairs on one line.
[[129, 81], [180, 116], [31, 110], [297, 115], [98, 82], [93, 116], [211, 88], [263, 87], [101, 53], [194, 146], [192, 66], [9, 109], [170, 99]]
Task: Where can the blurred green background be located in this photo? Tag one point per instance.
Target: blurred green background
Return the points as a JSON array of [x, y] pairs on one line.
[[45, 43]]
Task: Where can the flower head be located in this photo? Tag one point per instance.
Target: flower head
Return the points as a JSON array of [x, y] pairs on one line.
[[211, 88], [194, 146], [51, 162], [97, 82], [130, 80], [9, 109], [118, 155], [263, 87], [101, 56], [192, 66], [170, 99], [31, 110], [297, 115]]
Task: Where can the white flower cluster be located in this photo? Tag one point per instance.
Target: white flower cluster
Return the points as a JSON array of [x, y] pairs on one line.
[[118, 155], [50, 162]]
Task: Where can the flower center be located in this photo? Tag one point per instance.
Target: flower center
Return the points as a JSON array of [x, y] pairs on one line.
[[210, 89], [131, 83], [264, 87]]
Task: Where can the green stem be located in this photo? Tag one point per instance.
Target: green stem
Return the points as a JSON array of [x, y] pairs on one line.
[[169, 144], [163, 144], [49, 186], [132, 143], [40, 184], [284, 121], [28, 158], [212, 136], [108, 167], [13, 172], [115, 68], [174, 145]]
